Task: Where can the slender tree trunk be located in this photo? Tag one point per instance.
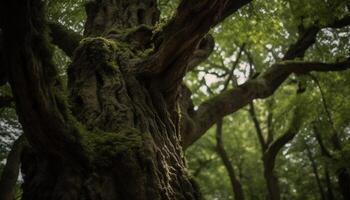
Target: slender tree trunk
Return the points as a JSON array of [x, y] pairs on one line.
[[272, 182], [342, 173], [344, 182], [315, 171], [236, 184], [330, 194]]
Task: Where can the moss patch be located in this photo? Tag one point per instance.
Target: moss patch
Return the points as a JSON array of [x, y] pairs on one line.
[[100, 51], [105, 147]]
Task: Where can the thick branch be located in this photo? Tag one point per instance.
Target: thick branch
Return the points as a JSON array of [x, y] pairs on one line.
[[182, 35], [202, 52], [264, 86], [65, 39], [307, 37], [345, 21], [10, 173]]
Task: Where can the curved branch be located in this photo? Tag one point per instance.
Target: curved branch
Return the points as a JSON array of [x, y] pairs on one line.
[[182, 35], [65, 39], [306, 39], [202, 52], [264, 86], [10, 173], [273, 149]]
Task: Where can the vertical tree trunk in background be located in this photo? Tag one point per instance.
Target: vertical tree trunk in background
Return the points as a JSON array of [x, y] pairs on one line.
[[271, 182], [342, 174], [235, 183], [344, 182], [330, 194], [315, 171]]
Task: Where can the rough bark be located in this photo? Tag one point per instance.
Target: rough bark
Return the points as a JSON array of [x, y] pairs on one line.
[[122, 138], [236, 184], [10, 173]]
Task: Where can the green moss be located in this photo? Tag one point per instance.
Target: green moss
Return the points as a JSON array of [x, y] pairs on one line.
[[100, 51], [105, 147]]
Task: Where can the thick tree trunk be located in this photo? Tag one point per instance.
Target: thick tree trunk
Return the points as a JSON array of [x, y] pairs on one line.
[[126, 130]]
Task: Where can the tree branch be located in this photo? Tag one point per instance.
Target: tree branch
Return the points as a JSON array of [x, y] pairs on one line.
[[202, 52], [10, 173], [257, 126], [324, 151], [307, 37], [264, 86], [273, 149], [182, 35], [65, 39]]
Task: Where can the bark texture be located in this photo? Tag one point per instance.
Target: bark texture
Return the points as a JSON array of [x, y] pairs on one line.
[[118, 133]]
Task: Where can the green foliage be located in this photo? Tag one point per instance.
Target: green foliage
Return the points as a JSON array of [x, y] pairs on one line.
[[267, 29]]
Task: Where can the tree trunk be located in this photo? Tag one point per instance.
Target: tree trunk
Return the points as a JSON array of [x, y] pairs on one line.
[[344, 182], [126, 128], [235, 183], [315, 171], [272, 182], [330, 195]]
